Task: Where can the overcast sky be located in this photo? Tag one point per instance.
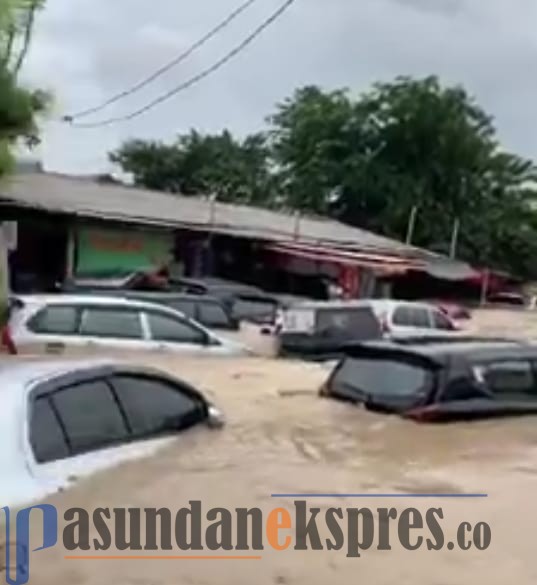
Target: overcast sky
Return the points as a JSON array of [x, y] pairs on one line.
[[86, 50]]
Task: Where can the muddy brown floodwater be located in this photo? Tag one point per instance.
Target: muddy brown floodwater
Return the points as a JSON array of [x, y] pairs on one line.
[[281, 438]]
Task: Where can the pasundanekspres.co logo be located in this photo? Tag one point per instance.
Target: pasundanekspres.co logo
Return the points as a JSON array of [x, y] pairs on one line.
[[230, 534]]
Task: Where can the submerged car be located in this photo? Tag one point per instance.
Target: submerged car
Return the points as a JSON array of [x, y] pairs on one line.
[[317, 330], [64, 419], [433, 380], [244, 302], [209, 311], [320, 329], [55, 323]]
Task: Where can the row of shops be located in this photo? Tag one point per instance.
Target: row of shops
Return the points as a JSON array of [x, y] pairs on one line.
[[68, 227]]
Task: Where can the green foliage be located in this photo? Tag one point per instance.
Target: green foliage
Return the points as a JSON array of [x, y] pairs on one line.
[[234, 170], [17, 19], [18, 110], [369, 161], [19, 107]]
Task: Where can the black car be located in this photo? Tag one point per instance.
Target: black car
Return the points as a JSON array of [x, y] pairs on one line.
[[322, 330], [243, 301], [433, 380]]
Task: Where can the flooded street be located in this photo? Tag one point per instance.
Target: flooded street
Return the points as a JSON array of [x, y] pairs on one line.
[[281, 438]]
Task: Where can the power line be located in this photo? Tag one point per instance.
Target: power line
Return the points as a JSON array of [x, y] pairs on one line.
[[195, 79], [179, 59]]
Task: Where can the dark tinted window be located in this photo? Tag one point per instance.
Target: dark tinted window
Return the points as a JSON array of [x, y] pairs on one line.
[[254, 309], [114, 322], [46, 435], [90, 415], [403, 316], [508, 378], [386, 377], [172, 329], [212, 315], [188, 308], [58, 320], [153, 405], [420, 318], [357, 323], [440, 321]]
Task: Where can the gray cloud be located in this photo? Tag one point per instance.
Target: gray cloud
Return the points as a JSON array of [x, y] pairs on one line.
[[86, 50]]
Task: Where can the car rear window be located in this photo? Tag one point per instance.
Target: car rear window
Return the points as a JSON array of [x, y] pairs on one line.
[[188, 308], [254, 309], [381, 376], [356, 323], [213, 315], [59, 320]]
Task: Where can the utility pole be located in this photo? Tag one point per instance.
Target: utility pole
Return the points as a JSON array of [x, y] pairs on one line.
[[411, 224], [454, 239]]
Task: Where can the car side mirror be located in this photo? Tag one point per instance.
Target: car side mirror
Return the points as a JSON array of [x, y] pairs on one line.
[[216, 418]]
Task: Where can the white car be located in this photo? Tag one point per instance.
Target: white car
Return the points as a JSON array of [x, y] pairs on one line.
[[54, 323], [411, 318], [65, 419]]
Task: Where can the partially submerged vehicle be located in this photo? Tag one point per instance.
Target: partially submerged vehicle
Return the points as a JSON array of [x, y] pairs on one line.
[[209, 311], [430, 380], [321, 329], [244, 302], [64, 419], [56, 323], [317, 330]]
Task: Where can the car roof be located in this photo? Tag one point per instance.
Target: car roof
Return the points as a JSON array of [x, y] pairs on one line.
[[472, 348], [149, 295], [28, 370], [357, 303], [87, 299], [211, 283]]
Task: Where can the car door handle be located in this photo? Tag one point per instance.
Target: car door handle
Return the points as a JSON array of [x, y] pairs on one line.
[[55, 347]]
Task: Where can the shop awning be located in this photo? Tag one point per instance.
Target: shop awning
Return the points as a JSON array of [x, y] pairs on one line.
[[381, 264]]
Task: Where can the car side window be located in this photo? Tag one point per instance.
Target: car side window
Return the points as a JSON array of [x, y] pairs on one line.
[[402, 316], [440, 321], [46, 436], [212, 315], [509, 377], [111, 322], [60, 320], [173, 329], [153, 405], [421, 318], [90, 416]]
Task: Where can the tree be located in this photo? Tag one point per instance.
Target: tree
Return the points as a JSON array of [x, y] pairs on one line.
[[198, 164], [369, 161], [403, 145], [17, 19], [19, 107]]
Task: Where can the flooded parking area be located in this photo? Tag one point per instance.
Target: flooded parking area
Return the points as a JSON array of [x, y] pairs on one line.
[[281, 438]]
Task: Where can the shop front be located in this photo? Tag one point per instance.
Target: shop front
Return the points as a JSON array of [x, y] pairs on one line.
[[107, 251]]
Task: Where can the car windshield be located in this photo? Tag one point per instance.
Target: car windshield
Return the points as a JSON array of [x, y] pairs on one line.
[[356, 323], [363, 377]]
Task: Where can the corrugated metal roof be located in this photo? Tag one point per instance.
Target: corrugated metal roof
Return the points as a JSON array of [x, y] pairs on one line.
[[85, 198]]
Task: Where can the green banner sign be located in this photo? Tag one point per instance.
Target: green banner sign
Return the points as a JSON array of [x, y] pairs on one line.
[[115, 252]]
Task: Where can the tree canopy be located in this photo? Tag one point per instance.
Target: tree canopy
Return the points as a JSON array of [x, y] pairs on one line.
[[369, 161], [19, 107]]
